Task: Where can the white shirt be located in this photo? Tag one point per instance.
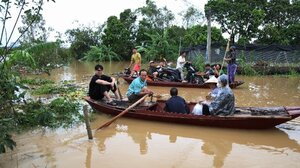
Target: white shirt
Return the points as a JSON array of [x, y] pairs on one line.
[[180, 62]]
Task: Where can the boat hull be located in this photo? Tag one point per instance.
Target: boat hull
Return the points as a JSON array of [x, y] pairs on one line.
[[179, 84], [154, 112]]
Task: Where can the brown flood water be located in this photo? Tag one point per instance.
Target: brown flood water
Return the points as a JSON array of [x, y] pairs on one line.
[[134, 143]]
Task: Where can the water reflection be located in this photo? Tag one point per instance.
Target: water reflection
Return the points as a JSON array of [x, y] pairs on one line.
[[219, 149], [88, 156], [215, 143]]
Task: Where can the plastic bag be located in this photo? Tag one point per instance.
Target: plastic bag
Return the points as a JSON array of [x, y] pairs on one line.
[[197, 109]]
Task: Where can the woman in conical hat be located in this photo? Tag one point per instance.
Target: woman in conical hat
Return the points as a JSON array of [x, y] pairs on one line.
[[212, 83]]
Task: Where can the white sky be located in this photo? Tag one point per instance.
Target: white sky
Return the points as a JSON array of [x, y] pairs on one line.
[[63, 14]]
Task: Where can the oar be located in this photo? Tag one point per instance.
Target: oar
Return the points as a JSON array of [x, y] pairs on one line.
[[123, 112]]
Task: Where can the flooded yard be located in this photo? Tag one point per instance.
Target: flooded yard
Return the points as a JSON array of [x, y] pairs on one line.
[[136, 143]]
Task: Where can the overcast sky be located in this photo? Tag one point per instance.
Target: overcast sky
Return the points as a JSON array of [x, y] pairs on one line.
[[62, 14]]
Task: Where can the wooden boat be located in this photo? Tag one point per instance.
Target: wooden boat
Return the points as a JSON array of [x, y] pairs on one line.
[[178, 84], [245, 117]]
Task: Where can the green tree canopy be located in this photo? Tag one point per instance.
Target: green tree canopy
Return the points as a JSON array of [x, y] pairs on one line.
[[241, 18], [81, 39], [281, 24], [119, 34]]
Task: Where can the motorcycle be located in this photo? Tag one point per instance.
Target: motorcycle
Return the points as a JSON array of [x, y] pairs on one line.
[[169, 74], [127, 72], [192, 76]]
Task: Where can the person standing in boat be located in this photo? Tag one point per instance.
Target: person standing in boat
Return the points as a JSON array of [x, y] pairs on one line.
[[138, 87], [176, 103], [224, 102], [232, 66], [100, 85], [136, 61], [180, 64]]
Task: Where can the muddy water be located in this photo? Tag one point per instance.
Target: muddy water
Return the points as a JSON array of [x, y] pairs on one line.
[[135, 143]]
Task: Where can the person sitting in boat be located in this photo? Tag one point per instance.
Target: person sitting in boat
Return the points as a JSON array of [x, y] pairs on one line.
[[212, 83], [208, 72], [223, 103], [138, 87], [217, 70], [100, 85], [176, 103], [161, 65], [152, 71]]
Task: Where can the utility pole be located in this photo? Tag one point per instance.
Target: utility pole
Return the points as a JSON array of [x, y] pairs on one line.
[[208, 46]]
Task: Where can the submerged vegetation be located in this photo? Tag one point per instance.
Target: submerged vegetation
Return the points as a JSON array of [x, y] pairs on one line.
[[63, 111], [36, 81], [60, 112]]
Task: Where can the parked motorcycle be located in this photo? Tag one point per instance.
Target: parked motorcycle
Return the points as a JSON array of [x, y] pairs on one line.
[[192, 76], [169, 74], [127, 72]]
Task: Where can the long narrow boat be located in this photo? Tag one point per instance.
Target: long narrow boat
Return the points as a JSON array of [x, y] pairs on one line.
[[179, 84], [244, 118]]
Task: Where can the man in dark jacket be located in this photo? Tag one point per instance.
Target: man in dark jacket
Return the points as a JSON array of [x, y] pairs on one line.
[[176, 103]]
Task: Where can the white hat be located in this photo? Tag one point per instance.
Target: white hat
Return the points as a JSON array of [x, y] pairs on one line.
[[212, 79]]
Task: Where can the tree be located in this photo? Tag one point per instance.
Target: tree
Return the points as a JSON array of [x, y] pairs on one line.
[[153, 20], [159, 47], [101, 53], [281, 24], [10, 94], [241, 18], [82, 38], [175, 38], [197, 35], [192, 16], [37, 32], [119, 34]]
